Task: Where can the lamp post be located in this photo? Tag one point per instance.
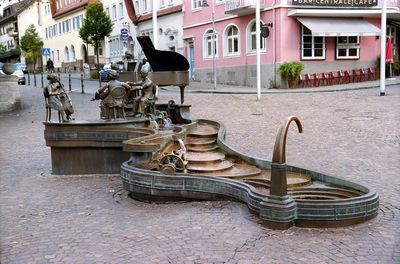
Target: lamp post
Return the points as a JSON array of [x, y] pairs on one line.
[[205, 4]]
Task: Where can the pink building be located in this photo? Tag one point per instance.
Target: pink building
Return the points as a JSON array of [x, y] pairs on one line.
[[325, 35]]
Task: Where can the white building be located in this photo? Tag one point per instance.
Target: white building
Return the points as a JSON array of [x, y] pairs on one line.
[[169, 21], [115, 45]]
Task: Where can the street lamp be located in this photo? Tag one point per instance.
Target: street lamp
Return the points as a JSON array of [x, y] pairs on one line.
[[205, 4]]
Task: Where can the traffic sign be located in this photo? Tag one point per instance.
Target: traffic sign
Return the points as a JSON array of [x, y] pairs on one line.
[[46, 51], [124, 34]]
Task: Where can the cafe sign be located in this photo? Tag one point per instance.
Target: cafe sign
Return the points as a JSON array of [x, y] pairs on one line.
[[336, 3]]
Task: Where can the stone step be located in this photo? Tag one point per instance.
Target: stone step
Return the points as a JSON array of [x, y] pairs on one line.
[[210, 166], [204, 156]]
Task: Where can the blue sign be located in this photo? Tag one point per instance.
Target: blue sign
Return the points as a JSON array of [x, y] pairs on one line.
[[124, 34], [46, 51]]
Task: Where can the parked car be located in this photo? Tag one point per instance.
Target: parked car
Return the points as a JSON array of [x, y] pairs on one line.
[[106, 68], [20, 74]]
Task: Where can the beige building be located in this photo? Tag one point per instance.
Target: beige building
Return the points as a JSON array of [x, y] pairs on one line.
[[58, 23]]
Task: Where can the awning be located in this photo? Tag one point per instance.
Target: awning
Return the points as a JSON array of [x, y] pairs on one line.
[[339, 27]]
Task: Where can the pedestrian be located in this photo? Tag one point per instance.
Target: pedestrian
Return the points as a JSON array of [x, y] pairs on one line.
[[86, 70], [50, 66], [146, 65]]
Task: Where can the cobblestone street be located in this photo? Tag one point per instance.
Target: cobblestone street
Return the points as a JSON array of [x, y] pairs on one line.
[[90, 219]]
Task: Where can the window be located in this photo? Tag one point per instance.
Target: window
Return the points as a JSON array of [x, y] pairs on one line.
[[58, 4], [143, 4], [162, 3], [232, 41], [100, 51], [312, 47], [251, 39], [108, 11], [391, 32], [220, 1], [120, 10], [114, 12], [196, 4], [58, 55], [45, 30], [348, 47], [66, 54], [208, 44]]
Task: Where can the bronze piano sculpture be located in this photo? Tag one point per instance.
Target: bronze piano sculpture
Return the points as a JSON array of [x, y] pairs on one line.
[[168, 67]]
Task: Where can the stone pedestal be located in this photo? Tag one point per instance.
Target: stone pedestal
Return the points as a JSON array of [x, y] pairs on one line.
[[10, 98]]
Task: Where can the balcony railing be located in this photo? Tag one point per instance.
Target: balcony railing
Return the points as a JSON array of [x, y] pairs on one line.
[[242, 7]]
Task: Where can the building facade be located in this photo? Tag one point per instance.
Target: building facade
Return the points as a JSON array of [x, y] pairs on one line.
[[9, 35], [324, 35], [169, 21], [118, 46], [63, 19]]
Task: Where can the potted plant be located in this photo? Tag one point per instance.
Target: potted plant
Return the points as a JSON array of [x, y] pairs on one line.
[[290, 72]]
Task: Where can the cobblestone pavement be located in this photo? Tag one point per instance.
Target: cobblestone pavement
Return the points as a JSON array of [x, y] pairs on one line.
[[72, 219]]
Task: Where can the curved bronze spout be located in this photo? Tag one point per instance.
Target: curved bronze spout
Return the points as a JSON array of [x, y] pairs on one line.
[[279, 155]]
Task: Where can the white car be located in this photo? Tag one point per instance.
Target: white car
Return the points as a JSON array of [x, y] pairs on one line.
[[20, 74]]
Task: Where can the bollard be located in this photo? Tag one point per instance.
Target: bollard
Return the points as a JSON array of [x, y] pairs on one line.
[[34, 79], [69, 81], [29, 79], [41, 76], [99, 79], [83, 91]]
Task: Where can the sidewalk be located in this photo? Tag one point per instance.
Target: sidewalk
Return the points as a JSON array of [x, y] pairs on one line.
[[201, 87]]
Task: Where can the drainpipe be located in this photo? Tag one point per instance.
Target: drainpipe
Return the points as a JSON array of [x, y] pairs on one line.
[[258, 39], [274, 43], [155, 25], [383, 49]]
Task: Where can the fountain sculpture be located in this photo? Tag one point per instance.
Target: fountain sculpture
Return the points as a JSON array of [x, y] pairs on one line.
[[163, 154]]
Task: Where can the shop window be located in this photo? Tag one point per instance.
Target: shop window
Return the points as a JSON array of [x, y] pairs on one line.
[[347, 47], [196, 4], [312, 47], [232, 41], [208, 44], [251, 39]]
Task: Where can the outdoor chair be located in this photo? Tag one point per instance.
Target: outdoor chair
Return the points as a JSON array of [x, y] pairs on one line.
[[371, 74], [304, 80]]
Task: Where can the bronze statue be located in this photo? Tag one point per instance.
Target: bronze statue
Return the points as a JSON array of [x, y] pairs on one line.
[[56, 98], [144, 104], [113, 97]]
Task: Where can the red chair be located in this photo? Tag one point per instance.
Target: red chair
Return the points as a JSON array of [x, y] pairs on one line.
[[326, 79], [305, 80], [371, 74], [316, 80], [346, 77], [332, 78], [362, 75], [356, 76]]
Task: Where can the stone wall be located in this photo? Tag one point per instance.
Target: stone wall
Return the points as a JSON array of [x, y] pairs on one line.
[[10, 98]]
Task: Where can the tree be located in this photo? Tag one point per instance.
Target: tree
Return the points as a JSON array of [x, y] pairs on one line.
[[3, 49], [31, 45], [96, 26]]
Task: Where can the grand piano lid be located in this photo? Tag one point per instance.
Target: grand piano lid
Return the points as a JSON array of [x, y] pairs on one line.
[[162, 60]]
